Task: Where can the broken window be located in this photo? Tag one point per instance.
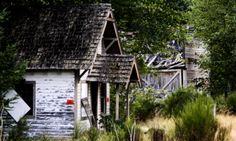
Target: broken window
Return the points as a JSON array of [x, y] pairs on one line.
[[26, 90]]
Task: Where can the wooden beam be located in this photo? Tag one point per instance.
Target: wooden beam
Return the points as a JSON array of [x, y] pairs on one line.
[[127, 101], [110, 19], [109, 46], [82, 73], [117, 101], [109, 38], [98, 106], [167, 84]]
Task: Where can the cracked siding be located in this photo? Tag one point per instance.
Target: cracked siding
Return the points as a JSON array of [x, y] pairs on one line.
[[53, 116]]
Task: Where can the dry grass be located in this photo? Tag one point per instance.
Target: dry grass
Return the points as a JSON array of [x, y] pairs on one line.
[[228, 121], [160, 123]]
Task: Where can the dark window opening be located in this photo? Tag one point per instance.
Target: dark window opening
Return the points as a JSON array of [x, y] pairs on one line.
[[110, 40], [26, 90], [103, 98], [94, 90]]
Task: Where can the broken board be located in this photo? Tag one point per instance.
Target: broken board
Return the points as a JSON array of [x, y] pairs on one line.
[[88, 110]]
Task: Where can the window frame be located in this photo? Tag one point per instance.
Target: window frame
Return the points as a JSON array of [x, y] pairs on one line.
[[34, 99]]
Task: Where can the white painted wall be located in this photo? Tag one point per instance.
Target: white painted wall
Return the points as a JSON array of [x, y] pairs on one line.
[[53, 116], [82, 92]]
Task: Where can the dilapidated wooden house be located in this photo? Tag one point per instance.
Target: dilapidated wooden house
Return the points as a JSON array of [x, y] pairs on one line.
[[178, 70], [171, 72], [73, 54]]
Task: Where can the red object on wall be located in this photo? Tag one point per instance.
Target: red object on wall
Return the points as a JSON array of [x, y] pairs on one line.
[[70, 102], [107, 99]]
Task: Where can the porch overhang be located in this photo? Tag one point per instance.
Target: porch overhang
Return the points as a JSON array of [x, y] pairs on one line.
[[114, 69]]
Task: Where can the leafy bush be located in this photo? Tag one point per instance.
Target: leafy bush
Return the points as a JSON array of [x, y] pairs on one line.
[[174, 103], [93, 134], [107, 122], [221, 104], [77, 131], [106, 136], [144, 105], [18, 132], [231, 102], [196, 122]]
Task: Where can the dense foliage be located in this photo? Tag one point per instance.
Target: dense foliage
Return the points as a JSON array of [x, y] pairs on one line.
[[144, 105], [11, 70], [215, 24], [18, 132], [145, 26], [196, 122], [231, 102], [175, 102]]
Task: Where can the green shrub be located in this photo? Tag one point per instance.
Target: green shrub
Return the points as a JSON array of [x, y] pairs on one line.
[[144, 105], [77, 131], [18, 132], [231, 102], [196, 122], [106, 136], [174, 103], [93, 134], [107, 122], [221, 104]]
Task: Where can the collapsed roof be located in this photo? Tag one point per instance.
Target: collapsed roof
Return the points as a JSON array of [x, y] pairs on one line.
[[159, 61]]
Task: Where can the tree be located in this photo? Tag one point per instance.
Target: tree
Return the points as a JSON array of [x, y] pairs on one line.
[[145, 26], [215, 24], [11, 70], [152, 23]]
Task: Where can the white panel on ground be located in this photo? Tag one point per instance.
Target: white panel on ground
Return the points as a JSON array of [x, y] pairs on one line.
[[18, 107], [84, 94], [84, 125]]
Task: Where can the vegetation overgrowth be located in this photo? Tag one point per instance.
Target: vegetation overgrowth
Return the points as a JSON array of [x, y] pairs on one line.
[[195, 121], [147, 27]]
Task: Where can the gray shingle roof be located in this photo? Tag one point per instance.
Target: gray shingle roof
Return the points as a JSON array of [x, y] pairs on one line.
[[112, 68], [61, 38]]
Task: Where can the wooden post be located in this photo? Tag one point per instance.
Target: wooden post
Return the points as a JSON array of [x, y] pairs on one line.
[[99, 105], [127, 100], [117, 101]]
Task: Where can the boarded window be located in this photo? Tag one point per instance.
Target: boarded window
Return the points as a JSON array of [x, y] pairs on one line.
[[26, 90]]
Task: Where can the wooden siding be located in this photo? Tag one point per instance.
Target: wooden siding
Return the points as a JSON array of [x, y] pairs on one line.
[[192, 55], [166, 79], [53, 116]]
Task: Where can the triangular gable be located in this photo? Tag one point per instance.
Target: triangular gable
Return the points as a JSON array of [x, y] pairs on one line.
[[134, 75], [110, 38]]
